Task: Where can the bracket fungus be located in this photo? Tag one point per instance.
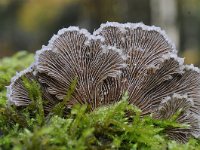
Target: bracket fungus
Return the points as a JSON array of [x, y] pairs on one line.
[[114, 59]]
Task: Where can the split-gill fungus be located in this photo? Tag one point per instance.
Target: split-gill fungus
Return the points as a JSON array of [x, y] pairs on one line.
[[114, 59]]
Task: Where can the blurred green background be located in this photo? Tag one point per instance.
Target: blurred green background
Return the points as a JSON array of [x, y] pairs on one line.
[[29, 24]]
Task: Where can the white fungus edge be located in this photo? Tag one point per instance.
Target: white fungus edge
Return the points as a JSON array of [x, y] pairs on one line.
[[178, 96], [191, 67], [13, 80], [61, 32], [122, 27]]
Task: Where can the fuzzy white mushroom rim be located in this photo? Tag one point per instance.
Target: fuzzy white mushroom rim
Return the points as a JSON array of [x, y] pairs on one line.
[[116, 58]]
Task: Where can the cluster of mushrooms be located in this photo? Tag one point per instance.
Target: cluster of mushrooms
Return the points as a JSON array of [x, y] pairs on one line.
[[115, 59]]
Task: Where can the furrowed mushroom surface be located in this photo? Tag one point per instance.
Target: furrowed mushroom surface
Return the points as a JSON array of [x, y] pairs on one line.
[[114, 59]]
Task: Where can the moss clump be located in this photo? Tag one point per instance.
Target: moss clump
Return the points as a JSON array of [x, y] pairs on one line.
[[118, 126]]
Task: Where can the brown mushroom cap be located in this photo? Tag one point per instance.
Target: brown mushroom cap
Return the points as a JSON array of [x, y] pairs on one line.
[[118, 57]]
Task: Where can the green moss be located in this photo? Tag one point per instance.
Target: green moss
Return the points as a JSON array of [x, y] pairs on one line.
[[118, 126]]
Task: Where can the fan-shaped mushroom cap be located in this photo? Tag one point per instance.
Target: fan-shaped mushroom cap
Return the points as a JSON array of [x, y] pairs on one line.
[[118, 57], [182, 104]]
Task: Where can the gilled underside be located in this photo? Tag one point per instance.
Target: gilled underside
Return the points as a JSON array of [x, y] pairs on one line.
[[117, 58]]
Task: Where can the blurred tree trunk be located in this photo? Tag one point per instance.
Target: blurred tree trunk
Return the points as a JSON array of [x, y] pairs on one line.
[[164, 14]]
